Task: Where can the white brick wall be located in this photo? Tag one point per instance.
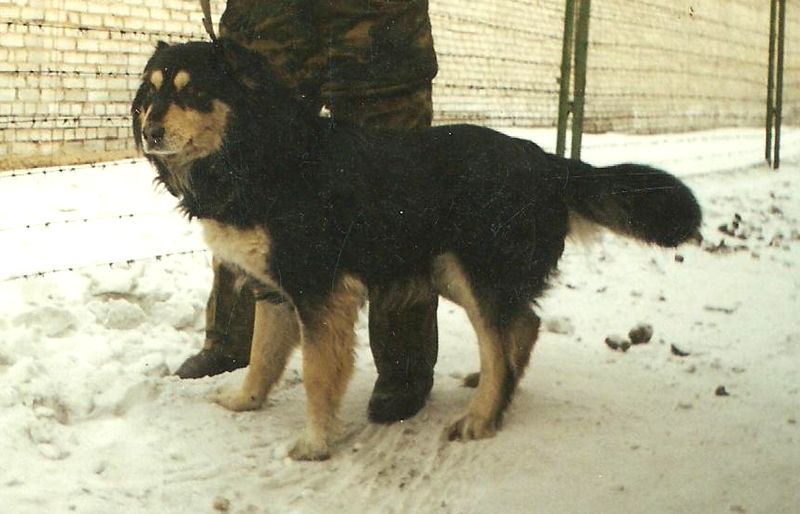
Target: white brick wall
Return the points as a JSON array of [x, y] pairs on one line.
[[68, 68]]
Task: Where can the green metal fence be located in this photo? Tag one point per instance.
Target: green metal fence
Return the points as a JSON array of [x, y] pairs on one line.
[[572, 96], [777, 39]]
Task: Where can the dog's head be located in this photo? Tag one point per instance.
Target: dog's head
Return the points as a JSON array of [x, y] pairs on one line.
[[211, 116], [180, 108], [184, 105]]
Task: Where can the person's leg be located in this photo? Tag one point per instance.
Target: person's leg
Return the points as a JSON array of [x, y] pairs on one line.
[[403, 334], [285, 35], [408, 107], [229, 327], [404, 342], [380, 64]]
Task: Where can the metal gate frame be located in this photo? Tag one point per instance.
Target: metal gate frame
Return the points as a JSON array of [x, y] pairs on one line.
[[575, 47], [777, 36]]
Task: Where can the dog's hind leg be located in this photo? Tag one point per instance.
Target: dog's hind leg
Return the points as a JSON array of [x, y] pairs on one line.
[[506, 336], [275, 334], [519, 337], [519, 334], [328, 358]]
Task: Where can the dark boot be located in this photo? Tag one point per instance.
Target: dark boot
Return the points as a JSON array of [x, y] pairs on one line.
[[230, 313], [404, 344]]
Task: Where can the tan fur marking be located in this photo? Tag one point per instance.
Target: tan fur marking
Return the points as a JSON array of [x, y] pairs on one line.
[[276, 333], [453, 283], [400, 295], [181, 79], [245, 248], [328, 343], [582, 231], [157, 79], [193, 133]]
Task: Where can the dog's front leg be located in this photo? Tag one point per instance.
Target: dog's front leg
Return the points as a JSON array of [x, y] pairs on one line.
[[275, 334], [328, 343]]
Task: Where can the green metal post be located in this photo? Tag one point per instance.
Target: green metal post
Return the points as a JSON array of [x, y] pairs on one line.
[[770, 79], [566, 67], [579, 92], [776, 162]]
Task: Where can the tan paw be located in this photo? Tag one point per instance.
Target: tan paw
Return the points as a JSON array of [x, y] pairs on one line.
[[237, 400], [470, 427], [310, 449]]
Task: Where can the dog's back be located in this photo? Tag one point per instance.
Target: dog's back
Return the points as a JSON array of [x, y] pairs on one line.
[[404, 198]]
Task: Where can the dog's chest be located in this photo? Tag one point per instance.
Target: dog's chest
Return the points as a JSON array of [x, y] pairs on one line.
[[246, 248]]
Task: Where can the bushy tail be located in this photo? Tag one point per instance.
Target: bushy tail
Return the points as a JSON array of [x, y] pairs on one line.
[[631, 199]]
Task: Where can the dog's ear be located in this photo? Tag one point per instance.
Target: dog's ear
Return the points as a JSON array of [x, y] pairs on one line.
[[161, 45], [246, 66]]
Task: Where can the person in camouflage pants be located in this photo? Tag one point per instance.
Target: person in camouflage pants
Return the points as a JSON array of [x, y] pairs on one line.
[[371, 63]]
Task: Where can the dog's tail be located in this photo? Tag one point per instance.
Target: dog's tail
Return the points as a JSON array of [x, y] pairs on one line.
[[631, 199]]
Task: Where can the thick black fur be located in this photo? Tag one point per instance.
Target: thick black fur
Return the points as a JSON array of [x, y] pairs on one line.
[[381, 205]]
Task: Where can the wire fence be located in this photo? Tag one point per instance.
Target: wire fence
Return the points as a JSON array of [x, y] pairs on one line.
[[68, 70], [62, 169], [109, 265]]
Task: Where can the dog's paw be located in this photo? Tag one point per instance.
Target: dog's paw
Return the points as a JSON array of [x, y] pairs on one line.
[[470, 427], [310, 449], [237, 400]]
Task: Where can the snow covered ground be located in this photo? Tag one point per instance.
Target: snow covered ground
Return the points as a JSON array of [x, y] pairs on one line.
[[91, 420]]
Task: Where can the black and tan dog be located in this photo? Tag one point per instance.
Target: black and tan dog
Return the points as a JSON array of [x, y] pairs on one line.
[[315, 213]]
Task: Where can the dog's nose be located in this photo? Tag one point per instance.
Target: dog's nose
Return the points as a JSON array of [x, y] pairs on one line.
[[153, 133]]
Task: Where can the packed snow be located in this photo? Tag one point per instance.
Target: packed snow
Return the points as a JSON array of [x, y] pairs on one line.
[[701, 418]]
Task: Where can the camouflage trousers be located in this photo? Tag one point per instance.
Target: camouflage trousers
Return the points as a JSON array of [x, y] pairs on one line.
[[403, 339], [342, 48]]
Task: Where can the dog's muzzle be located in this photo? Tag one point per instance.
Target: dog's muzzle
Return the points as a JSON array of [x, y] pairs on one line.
[[153, 136]]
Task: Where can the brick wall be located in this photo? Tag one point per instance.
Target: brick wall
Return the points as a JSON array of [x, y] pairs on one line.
[[68, 68], [498, 61], [658, 66]]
